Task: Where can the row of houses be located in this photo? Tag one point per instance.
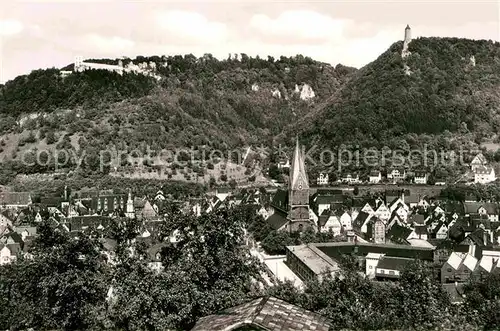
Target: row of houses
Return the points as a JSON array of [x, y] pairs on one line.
[[482, 174], [375, 177], [94, 210]]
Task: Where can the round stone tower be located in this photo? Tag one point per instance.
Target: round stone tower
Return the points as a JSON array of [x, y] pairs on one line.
[[407, 40], [407, 34]]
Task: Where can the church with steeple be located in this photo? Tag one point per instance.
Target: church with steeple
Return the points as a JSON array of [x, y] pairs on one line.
[[298, 192], [290, 209]]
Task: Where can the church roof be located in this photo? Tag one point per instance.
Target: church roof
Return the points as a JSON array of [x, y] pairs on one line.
[[298, 174]]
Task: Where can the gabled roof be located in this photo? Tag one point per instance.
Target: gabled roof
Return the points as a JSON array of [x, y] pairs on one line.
[[267, 313], [480, 238], [470, 262], [473, 207], [280, 200], [479, 159], [398, 233], [455, 207], [438, 227], [277, 220], [455, 260], [360, 220], [486, 263], [15, 237], [30, 229], [393, 263]]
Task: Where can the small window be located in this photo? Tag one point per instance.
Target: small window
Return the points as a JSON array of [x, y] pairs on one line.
[[371, 267], [466, 271], [449, 269]]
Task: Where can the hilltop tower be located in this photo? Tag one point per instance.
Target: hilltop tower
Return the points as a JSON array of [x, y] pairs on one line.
[[406, 41], [298, 192]]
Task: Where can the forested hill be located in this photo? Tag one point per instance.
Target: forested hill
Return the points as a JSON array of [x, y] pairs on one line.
[[444, 84], [195, 101]]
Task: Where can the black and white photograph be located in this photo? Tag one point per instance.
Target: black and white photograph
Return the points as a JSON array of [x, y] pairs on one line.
[[223, 165]]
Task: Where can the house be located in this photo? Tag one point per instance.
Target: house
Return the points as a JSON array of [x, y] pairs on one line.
[[439, 181], [26, 231], [155, 257], [458, 267], [421, 232], [5, 221], [484, 175], [277, 220], [160, 196], [9, 253], [424, 203], [378, 231], [350, 178], [222, 193], [329, 222], [440, 231], [478, 162], [371, 262], [391, 267], [420, 177], [396, 174], [383, 212], [321, 202], [322, 179], [398, 234], [375, 177], [492, 210], [346, 220], [485, 266], [15, 200], [148, 212], [397, 203], [284, 163], [368, 209], [360, 224]]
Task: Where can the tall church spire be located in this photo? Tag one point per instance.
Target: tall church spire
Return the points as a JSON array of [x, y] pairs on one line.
[[298, 174]]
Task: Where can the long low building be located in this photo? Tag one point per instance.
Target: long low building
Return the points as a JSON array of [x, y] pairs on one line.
[[308, 262], [317, 259]]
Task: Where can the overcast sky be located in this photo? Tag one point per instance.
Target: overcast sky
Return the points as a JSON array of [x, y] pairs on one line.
[[40, 34]]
